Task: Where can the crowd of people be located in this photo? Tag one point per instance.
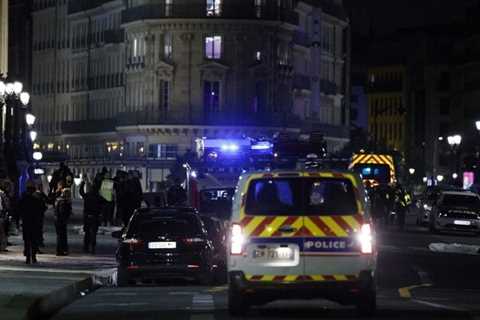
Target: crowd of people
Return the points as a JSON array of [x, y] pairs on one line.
[[389, 205], [106, 200]]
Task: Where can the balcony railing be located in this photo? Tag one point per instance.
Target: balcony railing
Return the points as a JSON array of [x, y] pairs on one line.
[[247, 11], [114, 36], [75, 6], [301, 82], [328, 87], [88, 126]]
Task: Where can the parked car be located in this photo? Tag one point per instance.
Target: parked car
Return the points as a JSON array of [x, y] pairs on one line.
[[456, 211], [428, 199], [165, 243]]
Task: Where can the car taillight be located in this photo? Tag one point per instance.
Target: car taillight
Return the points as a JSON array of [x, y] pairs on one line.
[[134, 243], [237, 240], [365, 237], [193, 240]]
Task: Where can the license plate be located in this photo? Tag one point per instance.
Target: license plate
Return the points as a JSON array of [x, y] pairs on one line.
[[274, 254], [461, 223], [162, 245]]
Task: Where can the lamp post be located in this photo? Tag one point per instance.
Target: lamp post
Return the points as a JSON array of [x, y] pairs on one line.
[[14, 103], [454, 143]]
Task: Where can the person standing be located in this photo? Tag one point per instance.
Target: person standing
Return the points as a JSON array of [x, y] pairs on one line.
[[133, 195], [63, 211], [107, 193], [30, 212], [92, 209], [39, 194]]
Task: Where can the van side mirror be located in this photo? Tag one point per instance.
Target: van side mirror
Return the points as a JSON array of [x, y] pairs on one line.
[[117, 234]]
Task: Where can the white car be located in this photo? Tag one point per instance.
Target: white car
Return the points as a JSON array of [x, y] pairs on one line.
[[301, 235], [457, 211]]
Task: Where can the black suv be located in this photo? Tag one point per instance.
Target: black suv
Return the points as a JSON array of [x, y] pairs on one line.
[[165, 243]]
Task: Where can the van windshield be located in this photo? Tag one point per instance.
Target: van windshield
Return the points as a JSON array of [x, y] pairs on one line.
[[301, 196]]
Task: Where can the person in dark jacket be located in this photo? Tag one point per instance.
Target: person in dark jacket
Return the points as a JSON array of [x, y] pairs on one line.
[[42, 197], [30, 212], [133, 194], [92, 210], [63, 211]]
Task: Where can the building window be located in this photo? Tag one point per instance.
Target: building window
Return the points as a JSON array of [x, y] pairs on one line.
[[164, 95], [168, 45], [258, 56], [259, 5], [211, 96], [214, 7], [168, 7], [163, 151], [135, 48], [213, 47]]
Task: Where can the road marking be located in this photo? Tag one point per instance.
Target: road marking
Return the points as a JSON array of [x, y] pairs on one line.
[[40, 277], [217, 289], [202, 316], [182, 293], [126, 304], [203, 302], [46, 270], [439, 306], [405, 292]]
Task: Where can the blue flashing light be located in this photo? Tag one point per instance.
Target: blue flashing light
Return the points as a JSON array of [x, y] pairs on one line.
[[230, 147], [262, 146]]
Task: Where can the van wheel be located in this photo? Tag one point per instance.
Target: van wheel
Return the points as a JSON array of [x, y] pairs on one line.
[[237, 301], [367, 303], [123, 278]]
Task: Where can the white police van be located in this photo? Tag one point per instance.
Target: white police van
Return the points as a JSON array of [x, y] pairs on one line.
[[301, 234]]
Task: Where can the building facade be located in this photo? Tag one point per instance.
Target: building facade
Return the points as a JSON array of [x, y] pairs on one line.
[[3, 37], [133, 84]]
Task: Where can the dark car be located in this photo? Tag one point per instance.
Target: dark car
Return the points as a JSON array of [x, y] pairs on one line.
[[427, 200], [168, 243], [217, 233]]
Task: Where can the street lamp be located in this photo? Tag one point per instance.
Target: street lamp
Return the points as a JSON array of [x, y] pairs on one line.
[[33, 135], [25, 98], [440, 178], [37, 156], [455, 176], [477, 123], [9, 88], [30, 119], [17, 87], [411, 171], [2, 88]]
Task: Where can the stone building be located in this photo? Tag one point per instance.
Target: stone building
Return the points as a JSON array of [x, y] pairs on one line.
[[133, 84]]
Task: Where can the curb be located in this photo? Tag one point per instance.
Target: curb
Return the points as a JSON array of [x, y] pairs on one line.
[[46, 306]]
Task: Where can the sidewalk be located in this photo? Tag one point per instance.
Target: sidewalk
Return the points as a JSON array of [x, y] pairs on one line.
[[34, 291]]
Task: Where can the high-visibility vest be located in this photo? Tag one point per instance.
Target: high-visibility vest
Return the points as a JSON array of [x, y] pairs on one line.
[[106, 190]]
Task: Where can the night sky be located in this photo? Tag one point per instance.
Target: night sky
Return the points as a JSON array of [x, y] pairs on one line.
[[385, 16]]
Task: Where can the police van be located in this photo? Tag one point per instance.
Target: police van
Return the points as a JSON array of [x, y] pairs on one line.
[[301, 235]]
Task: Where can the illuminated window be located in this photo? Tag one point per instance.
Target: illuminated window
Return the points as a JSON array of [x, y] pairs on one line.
[[214, 7], [50, 146], [135, 47], [259, 4], [168, 45], [258, 56], [213, 47], [168, 7]]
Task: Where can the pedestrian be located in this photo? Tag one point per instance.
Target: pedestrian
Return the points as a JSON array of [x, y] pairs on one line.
[[401, 205], [63, 211], [92, 210], [30, 212], [64, 175], [133, 195], [176, 195], [39, 194], [107, 193], [120, 188]]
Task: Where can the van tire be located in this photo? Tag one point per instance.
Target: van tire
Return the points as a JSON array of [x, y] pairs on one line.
[[237, 301], [367, 303]]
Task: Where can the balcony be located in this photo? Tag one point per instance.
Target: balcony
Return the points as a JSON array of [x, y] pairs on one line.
[[192, 11], [114, 36], [385, 86], [302, 39], [328, 87], [75, 6], [301, 82], [88, 126]]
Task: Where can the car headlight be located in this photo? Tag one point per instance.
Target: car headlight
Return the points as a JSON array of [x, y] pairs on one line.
[[443, 214], [427, 207]]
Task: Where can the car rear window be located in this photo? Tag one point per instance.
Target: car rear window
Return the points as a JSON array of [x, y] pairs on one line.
[[463, 201], [185, 226], [301, 196]]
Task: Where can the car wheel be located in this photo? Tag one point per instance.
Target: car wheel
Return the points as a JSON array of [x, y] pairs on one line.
[[123, 278], [237, 301], [367, 303]]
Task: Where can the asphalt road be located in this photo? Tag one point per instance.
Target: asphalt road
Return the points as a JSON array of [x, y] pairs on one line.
[[414, 283]]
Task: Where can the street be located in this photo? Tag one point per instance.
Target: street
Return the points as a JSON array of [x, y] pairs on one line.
[[413, 282]]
